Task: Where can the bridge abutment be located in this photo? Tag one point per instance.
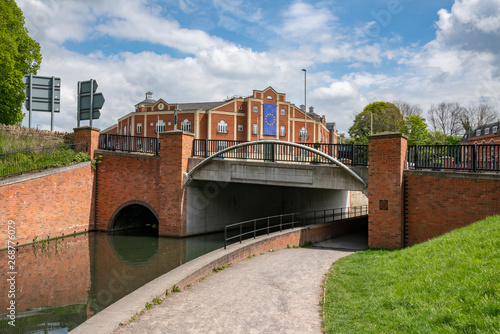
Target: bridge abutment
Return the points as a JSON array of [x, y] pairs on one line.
[[387, 156]]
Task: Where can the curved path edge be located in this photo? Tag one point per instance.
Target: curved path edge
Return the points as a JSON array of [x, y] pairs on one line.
[[121, 311]]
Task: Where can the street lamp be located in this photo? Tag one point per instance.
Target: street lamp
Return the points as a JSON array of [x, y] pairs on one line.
[[305, 106]]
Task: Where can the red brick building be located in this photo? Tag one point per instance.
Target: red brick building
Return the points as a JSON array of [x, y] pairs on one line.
[[485, 134], [263, 115]]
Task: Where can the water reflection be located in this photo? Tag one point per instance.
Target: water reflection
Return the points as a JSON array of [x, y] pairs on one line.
[[62, 283]]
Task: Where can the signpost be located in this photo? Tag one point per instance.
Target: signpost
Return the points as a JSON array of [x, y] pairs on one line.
[[89, 102], [43, 94]]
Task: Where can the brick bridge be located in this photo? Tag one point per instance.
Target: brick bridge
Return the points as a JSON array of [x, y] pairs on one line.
[[189, 195]]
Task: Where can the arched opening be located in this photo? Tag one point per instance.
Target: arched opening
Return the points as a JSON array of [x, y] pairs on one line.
[[135, 219]]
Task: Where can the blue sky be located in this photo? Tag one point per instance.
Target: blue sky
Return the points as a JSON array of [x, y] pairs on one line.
[[356, 52]]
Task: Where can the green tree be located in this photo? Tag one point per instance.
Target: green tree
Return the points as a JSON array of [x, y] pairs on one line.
[[415, 128], [386, 117], [19, 55]]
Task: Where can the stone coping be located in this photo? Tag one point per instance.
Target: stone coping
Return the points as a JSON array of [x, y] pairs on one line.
[[34, 175], [121, 311], [455, 174]]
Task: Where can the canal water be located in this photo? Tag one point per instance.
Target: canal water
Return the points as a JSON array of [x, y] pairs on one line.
[[62, 283]]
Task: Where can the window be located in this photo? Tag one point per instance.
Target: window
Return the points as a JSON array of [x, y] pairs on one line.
[[160, 126], [269, 97], [222, 127], [282, 131], [255, 108], [478, 132], [494, 129], [255, 129], [139, 128], [487, 131], [186, 125], [492, 142], [303, 134], [282, 112], [125, 130], [241, 107], [240, 127]]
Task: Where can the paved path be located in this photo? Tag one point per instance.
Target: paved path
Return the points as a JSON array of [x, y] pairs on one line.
[[276, 292]]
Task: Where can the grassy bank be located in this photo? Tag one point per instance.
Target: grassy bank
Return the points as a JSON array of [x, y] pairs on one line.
[[450, 284], [25, 161]]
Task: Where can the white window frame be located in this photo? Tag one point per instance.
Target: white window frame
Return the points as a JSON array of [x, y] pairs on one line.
[[240, 127], [282, 112], [302, 132], [478, 132], [255, 108], [138, 128], [487, 131], [282, 131], [255, 129], [160, 126], [222, 127], [124, 130], [494, 129], [186, 125]]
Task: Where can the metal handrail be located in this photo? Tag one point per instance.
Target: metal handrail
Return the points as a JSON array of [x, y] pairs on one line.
[[474, 158], [295, 219], [19, 162], [350, 155], [135, 144]]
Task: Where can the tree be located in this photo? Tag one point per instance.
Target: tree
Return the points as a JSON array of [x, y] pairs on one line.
[[19, 55], [445, 117], [416, 129], [475, 116], [407, 109], [386, 117]]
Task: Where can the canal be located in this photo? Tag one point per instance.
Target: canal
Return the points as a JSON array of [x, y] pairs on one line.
[[62, 283]]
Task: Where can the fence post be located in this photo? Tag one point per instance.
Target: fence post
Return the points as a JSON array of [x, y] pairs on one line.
[[255, 228], [353, 162], [206, 149], [267, 225], [474, 159], [225, 237], [241, 232]]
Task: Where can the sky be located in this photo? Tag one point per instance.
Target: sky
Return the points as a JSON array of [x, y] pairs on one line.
[[355, 52]]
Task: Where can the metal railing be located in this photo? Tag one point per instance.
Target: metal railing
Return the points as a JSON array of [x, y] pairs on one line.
[[122, 143], [19, 162], [266, 225], [350, 155], [474, 158]]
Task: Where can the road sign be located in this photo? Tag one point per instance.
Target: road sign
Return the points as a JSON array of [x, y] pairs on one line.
[[89, 102], [42, 94]]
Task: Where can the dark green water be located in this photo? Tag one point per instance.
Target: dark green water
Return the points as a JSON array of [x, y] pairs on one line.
[[61, 284]]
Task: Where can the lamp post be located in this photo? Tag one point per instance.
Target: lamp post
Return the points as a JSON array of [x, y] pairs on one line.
[[305, 106]]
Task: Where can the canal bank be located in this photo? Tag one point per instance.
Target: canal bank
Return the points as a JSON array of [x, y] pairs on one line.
[[122, 311]]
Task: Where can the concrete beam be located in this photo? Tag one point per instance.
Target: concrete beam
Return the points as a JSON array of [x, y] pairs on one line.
[[276, 174]]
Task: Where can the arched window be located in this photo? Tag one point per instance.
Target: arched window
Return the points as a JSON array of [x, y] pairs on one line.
[[186, 125], [222, 127], [160, 126], [303, 134]]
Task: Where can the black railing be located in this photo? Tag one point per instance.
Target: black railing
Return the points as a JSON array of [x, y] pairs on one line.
[[12, 163], [121, 143], [348, 154], [351, 155], [474, 158], [266, 225]]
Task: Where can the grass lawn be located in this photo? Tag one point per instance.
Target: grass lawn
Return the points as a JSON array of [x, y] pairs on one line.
[[450, 284]]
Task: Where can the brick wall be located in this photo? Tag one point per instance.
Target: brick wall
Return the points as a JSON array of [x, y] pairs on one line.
[[387, 153], [125, 178], [89, 135], [439, 202], [51, 203]]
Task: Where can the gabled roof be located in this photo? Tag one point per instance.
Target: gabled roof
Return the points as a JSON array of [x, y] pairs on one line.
[[471, 135]]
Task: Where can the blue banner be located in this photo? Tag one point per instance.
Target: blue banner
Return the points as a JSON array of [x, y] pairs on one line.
[[270, 119]]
